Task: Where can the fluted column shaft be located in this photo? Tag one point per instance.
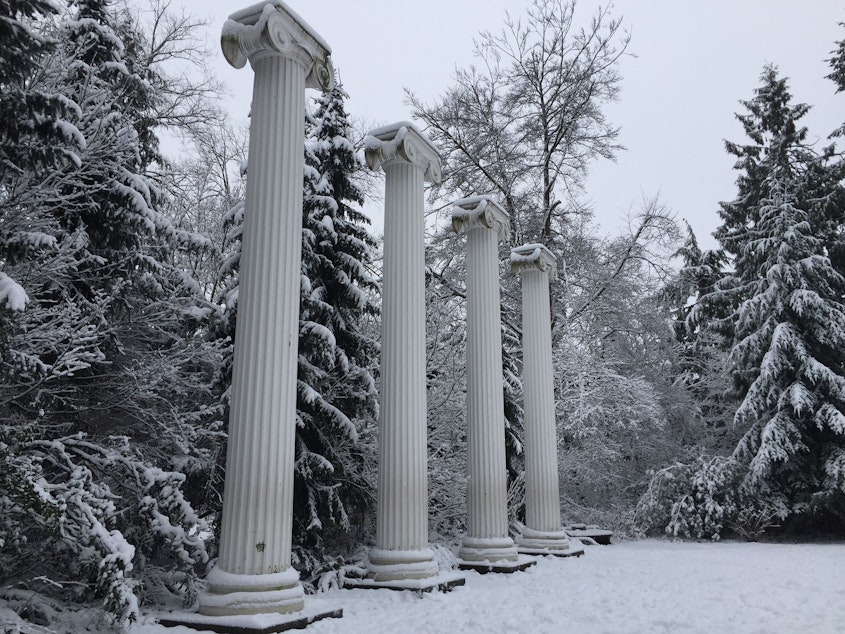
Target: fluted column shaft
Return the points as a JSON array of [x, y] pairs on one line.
[[542, 496], [401, 551], [487, 536], [542, 532], [403, 476], [253, 573], [487, 513], [259, 484]]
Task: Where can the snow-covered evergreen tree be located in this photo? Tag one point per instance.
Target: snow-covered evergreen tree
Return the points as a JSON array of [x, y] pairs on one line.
[[780, 312], [336, 392], [35, 138], [777, 155], [776, 143], [702, 352], [837, 76], [105, 407], [790, 338]]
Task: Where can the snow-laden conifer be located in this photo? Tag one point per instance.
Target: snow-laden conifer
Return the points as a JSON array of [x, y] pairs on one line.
[[790, 336], [779, 311], [106, 417], [336, 392]]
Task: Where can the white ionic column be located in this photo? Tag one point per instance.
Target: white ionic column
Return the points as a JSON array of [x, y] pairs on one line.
[[401, 552], [253, 573], [487, 540], [542, 533]]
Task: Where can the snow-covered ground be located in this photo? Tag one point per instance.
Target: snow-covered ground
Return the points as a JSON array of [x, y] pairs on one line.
[[643, 587], [639, 587]]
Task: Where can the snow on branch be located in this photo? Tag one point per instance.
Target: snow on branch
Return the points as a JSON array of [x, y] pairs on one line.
[[12, 295]]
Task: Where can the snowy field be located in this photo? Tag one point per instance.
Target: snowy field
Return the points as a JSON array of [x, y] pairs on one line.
[[639, 587]]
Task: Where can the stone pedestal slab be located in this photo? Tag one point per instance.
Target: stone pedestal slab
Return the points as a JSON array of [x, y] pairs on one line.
[[506, 566], [441, 582], [315, 610]]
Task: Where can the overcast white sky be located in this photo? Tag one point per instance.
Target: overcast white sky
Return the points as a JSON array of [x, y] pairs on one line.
[[694, 61]]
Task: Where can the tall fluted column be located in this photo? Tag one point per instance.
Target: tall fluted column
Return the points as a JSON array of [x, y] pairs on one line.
[[487, 540], [253, 573], [542, 533], [408, 159]]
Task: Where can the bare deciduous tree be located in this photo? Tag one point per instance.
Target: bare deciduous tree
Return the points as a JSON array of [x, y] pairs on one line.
[[525, 124]]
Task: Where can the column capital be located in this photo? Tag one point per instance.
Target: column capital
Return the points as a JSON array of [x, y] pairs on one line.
[[273, 28], [402, 141], [534, 257], [481, 212]]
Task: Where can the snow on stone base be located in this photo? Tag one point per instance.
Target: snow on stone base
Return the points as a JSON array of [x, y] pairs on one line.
[[576, 549], [591, 535], [444, 581], [315, 610], [522, 562]]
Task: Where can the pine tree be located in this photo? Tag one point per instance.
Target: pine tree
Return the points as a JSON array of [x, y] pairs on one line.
[[837, 64], [35, 137], [776, 143], [109, 199], [777, 146], [698, 310], [35, 132], [699, 272], [104, 392], [780, 313], [336, 394], [790, 337]]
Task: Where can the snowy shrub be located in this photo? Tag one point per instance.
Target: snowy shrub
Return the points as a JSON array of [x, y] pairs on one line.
[[694, 500], [96, 519], [325, 573], [753, 520]]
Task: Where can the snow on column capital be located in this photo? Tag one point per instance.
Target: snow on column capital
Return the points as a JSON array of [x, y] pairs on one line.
[[542, 533], [253, 574], [481, 212], [274, 29], [402, 142], [487, 541], [534, 257], [401, 552]]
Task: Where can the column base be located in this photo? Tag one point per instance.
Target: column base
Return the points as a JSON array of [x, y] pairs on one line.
[[316, 610], [486, 553], [401, 565], [231, 594], [556, 543], [442, 582]]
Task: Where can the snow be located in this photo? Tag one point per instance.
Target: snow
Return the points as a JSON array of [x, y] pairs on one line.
[[263, 10], [527, 253], [12, 295], [643, 586], [376, 137]]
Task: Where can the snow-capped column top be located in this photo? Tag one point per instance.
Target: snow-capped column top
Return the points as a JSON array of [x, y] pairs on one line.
[[402, 141], [534, 257], [481, 212], [273, 28]]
